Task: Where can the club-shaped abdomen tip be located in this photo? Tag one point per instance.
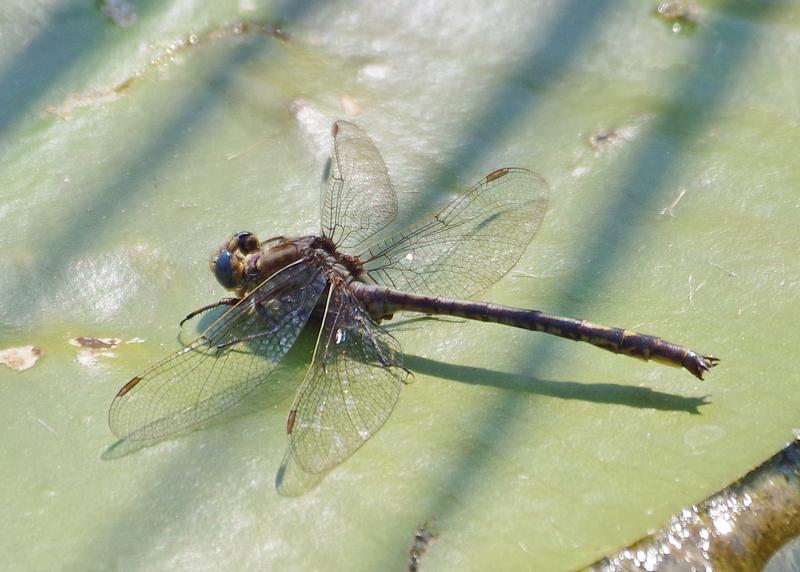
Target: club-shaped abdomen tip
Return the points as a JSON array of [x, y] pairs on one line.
[[698, 364]]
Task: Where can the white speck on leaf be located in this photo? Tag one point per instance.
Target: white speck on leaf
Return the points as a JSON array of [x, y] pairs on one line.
[[21, 358]]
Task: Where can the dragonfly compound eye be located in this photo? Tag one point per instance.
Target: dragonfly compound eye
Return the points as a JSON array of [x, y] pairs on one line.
[[228, 269], [245, 242]]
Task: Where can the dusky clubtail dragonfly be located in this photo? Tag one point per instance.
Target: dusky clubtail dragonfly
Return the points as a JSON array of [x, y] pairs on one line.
[[356, 374]]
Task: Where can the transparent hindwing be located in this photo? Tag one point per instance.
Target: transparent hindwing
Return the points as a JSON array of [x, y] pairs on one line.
[[350, 388]]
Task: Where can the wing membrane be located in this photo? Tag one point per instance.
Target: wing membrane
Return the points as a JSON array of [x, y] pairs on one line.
[[234, 355], [470, 244], [360, 200], [350, 389]]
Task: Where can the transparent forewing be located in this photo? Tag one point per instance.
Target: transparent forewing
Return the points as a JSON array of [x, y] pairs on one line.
[[233, 356], [470, 244], [350, 389], [359, 200]]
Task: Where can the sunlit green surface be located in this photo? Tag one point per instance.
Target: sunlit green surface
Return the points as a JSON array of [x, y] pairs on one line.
[[519, 451]]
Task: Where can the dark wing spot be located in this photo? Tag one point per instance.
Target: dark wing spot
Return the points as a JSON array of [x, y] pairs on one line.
[[496, 174], [128, 386]]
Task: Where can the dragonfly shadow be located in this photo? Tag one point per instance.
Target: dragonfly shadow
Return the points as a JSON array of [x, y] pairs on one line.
[[292, 481], [606, 393]]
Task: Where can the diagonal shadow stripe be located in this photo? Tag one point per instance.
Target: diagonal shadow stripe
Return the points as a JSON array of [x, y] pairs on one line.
[[61, 43], [695, 98], [539, 70], [102, 209]]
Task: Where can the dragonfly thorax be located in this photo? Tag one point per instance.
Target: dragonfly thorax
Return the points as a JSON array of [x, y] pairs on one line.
[[342, 266], [245, 262]]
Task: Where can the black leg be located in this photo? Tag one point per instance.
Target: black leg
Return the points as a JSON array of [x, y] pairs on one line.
[[223, 302]]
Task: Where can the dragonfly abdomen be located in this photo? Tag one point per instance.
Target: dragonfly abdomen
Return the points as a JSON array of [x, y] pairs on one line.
[[383, 302]]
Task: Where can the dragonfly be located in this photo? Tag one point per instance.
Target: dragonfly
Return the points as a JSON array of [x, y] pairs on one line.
[[352, 280]]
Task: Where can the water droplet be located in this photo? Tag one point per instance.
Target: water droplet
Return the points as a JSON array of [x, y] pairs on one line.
[[723, 525]]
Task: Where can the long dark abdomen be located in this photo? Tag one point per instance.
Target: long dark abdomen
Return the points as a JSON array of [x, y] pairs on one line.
[[382, 302]]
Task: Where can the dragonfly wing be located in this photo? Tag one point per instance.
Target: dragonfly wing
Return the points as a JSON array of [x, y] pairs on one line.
[[350, 389], [470, 244], [232, 357], [359, 200]]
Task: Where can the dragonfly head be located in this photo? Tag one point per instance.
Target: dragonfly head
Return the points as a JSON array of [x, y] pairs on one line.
[[229, 263]]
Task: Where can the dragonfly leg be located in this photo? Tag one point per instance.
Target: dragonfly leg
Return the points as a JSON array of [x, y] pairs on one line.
[[223, 302]]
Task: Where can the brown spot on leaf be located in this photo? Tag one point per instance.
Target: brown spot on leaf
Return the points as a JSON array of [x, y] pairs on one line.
[[93, 343], [423, 536]]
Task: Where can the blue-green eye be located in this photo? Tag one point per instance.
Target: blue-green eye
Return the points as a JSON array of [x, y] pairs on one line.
[[227, 268]]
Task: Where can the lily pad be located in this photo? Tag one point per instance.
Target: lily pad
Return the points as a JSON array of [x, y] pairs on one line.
[[526, 452]]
